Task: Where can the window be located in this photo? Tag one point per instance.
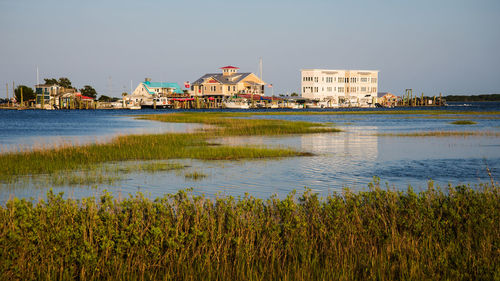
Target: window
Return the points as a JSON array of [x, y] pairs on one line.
[[341, 89], [363, 89], [315, 79], [340, 79], [364, 79], [374, 80], [229, 88]]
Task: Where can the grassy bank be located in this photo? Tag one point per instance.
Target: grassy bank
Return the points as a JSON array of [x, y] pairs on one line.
[[373, 235], [162, 146]]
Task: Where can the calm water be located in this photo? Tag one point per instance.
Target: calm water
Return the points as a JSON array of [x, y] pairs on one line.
[[347, 159]]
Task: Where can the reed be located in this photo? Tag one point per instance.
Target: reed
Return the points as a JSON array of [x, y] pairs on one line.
[[195, 175], [379, 234], [161, 146], [82, 178], [147, 167]]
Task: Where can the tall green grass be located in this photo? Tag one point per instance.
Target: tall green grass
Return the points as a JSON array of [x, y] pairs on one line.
[[373, 235], [161, 146]]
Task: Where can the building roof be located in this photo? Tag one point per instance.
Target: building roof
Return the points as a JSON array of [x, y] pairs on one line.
[[46, 85], [223, 79], [229, 67]]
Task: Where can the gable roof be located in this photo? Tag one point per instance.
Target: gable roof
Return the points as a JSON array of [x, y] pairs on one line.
[[223, 79], [152, 85]]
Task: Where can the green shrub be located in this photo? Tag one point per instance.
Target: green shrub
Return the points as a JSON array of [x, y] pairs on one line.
[[373, 235]]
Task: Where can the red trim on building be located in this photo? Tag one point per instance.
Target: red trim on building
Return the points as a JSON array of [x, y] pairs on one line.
[[229, 67]]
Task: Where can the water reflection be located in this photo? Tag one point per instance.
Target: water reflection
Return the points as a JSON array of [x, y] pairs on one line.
[[347, 159]]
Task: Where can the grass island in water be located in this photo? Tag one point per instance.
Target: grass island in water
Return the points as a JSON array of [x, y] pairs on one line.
[[162, 146]]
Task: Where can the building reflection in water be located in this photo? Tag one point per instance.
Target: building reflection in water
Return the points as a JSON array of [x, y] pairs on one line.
[[345, 159]]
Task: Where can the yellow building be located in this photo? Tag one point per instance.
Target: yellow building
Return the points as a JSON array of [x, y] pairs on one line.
[[228, 83]]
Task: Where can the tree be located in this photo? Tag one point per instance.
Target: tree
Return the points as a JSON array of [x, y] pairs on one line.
[[51, 81], [294, 95], [104, 98], [28, 93], [64, 82], [89, 91]]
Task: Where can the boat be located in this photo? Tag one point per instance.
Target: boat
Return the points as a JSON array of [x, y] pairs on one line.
[[158, 102], [237, 104], [313, 105]]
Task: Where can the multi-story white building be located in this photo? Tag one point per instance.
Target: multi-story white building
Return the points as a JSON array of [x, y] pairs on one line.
[[341, 87]]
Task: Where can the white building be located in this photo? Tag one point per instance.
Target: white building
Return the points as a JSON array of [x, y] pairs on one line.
[[340, 87]]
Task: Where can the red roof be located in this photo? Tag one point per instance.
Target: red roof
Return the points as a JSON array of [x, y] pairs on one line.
[[229, 67], [83, 97]]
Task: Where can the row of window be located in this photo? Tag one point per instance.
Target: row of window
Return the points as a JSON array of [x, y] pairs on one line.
[[214, 88], [340, 89], [339, 79]]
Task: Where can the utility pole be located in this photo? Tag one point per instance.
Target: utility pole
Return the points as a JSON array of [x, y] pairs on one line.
[[7, 84], [22, 102]]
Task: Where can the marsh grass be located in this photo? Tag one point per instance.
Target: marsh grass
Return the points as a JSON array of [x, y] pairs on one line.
[[148, 167], [195, 175], [380, 234], [463, 122], [196, 145], [82, 178], [442, 134]]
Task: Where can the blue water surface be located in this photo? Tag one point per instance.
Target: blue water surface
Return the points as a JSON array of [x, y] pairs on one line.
[[351, 158]]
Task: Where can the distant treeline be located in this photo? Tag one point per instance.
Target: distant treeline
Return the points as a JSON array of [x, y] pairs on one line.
[[492, 97]]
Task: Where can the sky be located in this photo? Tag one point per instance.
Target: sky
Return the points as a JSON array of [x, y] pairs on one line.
[[445, 46]]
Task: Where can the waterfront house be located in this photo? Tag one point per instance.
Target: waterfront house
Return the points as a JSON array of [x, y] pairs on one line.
[[148, 89], [228, 83]]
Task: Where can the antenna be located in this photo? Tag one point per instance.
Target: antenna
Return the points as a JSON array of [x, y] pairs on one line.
[[37, 77], [260, 67]]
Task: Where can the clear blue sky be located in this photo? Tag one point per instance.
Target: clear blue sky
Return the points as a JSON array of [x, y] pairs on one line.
[[448, 46]]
